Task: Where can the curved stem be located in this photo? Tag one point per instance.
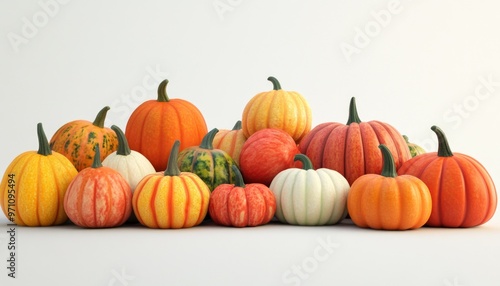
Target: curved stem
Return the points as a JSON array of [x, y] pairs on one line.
[[43, 143], [238, 177], [162, 91], [388, 168], [97, 158], [306, 162], [237, 126], [172, 167], [208, 139], [123, 147], [444, 148], [406, 139], [353, 113], [101, 117], [276, 83]]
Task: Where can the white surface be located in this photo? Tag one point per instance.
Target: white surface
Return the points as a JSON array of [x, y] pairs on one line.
[[425, 66]]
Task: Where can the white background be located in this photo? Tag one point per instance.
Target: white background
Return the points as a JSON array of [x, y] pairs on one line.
[[413, 64]]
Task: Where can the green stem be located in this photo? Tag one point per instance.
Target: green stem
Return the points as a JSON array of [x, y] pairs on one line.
[[353, 112], [237, 126], [388, 168], [172, 167], [123, 147], [406, 139], [162, 91], [97, 158], [276, 83], [43, 143], [238, 177], [101, 117], [208, 139], [444, 148], [306, 162]]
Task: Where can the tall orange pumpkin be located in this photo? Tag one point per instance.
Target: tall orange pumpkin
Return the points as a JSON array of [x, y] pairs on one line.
[[154, 126], [463, 193], [280, 109], [352, 148]]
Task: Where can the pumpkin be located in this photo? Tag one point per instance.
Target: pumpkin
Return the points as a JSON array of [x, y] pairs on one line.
[[389, 201], [241, 205], [463, 193], [310, 197], [213, 166], [352, 148], [285, 110], [33, 186], [415, 149], [266, 153], [98, 197], [172, 199], [231, 141], [154, 125], [77, 140]]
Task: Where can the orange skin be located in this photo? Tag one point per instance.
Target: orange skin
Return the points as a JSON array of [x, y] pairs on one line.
[[230, 141]]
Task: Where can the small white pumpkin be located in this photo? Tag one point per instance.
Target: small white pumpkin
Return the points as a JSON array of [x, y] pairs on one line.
[[310, 197], [132, 165]]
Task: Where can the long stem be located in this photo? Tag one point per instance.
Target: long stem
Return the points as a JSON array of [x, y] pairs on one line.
[[237, 126], [43, 143], [123, 147], [172, 167], [238, 177], [389, 168], [162, 91], [97, 158], [208, 139], [306, 162], [353, 112], [443, 148], [276, 83], [101, 117]]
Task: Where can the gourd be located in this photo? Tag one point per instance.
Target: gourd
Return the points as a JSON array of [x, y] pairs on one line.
[[77, 140], [388, 201], [278, 108], [172, 199], [231, 141], [310, 197], [415, 149], [240, 204], [153, 127], [462, 190], [34, 184]]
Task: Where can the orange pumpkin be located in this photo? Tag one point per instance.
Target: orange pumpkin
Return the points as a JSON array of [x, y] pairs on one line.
[[230, 141], [285, 110], [388, 201], [77, 140], [463, 193], [154, 126], [33, 186], [352, 149]]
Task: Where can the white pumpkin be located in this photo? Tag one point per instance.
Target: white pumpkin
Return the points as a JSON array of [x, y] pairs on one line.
[[132, 165], [310, 197]]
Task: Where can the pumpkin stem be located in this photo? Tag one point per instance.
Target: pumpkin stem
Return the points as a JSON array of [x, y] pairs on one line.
[[162, 91], [353, 112], [444, 148], [389, 168], [101, 116], [237, 126], [172, 167], [123, 147], [276, 83], [306, 162], [238, 177], [208, 139], [43, 144], [97, 158], [406, 139]]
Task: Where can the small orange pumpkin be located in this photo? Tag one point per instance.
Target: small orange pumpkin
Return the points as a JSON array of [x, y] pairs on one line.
[[231, 141]]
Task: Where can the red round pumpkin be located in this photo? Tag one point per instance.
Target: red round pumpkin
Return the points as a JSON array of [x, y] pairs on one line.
[[352, 148], [463, 193], [155, 125], [241, 205]]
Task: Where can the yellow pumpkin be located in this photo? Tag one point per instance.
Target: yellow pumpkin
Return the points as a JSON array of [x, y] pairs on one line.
[[34, 184]]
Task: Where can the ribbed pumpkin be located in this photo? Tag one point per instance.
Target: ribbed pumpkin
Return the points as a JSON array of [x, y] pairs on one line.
[[33, 186], [172, 199], [154, 125], [213, 166], [352, 149], [241, 205], [231, 141], [389, 201], [285, 110], [98, 197], [310, 197], [77, 140], [415, 149], [463, 193]]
